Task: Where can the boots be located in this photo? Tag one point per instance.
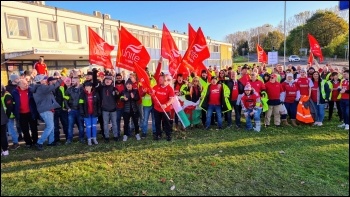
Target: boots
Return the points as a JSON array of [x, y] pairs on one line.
[[294, 123], [285, 122], [257, 126], [94, 140], [89, 142]]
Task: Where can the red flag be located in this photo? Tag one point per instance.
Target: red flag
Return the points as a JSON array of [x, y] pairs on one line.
[[315, 47], [262, 57], [311, 58], [169, 51], [143, 77], [196, 53], [191, 35], [99, 50], [131, 51]]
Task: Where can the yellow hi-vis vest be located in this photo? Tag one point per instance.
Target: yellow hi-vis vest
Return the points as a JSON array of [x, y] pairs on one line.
[[3, 103], [341, 84], [146, 100]]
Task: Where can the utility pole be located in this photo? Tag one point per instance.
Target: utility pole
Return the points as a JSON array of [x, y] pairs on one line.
[[284, 50]]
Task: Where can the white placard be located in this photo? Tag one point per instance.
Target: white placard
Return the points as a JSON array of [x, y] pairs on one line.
[[272, 57]]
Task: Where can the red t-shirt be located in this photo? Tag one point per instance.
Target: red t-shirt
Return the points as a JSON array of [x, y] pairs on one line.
[[303, 85], [314, 91], [90, 103], [345, 85], [234, 94], [273, 90], [249, 102], [214, 94], [24, 101], [244, 79], [257, 85], [41, 68], [163, 94], [291, 92], [335, 91], [120, 88]]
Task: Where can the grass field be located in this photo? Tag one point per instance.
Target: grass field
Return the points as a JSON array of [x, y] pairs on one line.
[[277, 161]]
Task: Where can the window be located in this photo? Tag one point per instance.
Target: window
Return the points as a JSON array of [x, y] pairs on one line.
[[17, 26], [216, 48], [47, 30], [72, 33]]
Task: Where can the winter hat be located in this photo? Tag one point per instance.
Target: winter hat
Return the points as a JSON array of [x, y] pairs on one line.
[[13, 77], [88, 83], [290, 75], [303, 69], [39, 78], [248, 87]]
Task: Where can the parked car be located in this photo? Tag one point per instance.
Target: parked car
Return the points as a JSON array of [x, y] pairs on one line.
[[294, 58]]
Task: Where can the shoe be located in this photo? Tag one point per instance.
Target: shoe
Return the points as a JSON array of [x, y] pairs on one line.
[[68, 142], [125, 138], [20, 137], [156, 137], [115, 139], [346, 127], [143, 135], [5, 153], [320, 124], [342, 125], [52, 144], [15, 146], [168, 138], [138, 137], [237, 126], [39, 146], [89, 142], [94, 140]]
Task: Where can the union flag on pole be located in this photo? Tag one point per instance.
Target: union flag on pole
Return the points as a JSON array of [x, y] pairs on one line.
[[170, 51], [131, 51], [191, 35], [143, 77], [311, 58], [99, 50], [262, 57], [315, 47]]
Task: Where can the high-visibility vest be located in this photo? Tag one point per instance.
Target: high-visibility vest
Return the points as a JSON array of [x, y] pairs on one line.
[[330, 84], [264, 99], [304, 114], [323, 93], [146, 100], [3, 103]]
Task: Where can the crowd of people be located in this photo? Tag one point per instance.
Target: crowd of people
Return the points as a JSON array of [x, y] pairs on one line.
[[73, 98]]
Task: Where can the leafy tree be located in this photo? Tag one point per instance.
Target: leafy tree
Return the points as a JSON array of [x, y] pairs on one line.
[[273, 39], [336, 47], [242, 44]]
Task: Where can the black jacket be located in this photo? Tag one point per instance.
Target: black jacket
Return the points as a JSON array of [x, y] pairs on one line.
[[195, 97], [83, 105], [10, 87], [131, 103], [108, 98], [73, 95], [229, 83], [59, 96]]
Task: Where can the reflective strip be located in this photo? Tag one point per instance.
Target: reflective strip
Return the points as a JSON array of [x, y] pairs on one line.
[[66, 97], [304, 116], [81, 101]]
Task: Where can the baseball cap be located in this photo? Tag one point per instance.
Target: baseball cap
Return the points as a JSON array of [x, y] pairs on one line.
[[51, 79]]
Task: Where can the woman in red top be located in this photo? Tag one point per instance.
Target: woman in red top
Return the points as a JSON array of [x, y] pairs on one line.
[[290, 96], [89, 102], [334, 99]]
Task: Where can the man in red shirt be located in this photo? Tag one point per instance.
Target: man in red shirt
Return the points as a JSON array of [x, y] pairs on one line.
[[244, 75], [41, 67], [162, 97], [344, 99], [236, 88], [273, 90], [256, 84]]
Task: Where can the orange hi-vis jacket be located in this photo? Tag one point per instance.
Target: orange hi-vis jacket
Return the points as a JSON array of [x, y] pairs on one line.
[[303, 113]]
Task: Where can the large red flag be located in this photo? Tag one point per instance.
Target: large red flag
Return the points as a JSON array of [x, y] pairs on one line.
[[196, 53], [99, 50], [131, 51], [170, 51], [191, 35], [143, 77], [262, 57], [311, 58], [315, 47]]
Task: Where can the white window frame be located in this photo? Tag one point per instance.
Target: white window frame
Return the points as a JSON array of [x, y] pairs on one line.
[[7, 16], [54, 30], [78, 32]]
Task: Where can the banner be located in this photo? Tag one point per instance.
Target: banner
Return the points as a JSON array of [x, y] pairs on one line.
[[143, 77], [131, 51], [315, 47], [99, 50], [180, 112]]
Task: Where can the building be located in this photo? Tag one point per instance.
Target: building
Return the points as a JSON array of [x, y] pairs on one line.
[[31, 29]]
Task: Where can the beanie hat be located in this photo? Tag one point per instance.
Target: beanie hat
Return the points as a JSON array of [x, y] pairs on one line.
[[248, 87], [39, 78], [13, 77], [290, 75]]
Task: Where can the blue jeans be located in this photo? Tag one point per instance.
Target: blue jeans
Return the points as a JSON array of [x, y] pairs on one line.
[[320, 111], [147, 110], [49, 128], [119, 118], [344, 104], [211, 109], [12, 131], [90, 123], [256, 117], [74, 117], [238, 110], [110, 116], [292, 109], [63, 116]]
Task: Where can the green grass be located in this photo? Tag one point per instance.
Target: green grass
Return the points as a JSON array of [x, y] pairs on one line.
[[240, 59], [314, 161]]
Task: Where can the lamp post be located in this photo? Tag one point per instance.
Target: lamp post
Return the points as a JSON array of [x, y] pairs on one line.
[[259, 33], [284, 48]]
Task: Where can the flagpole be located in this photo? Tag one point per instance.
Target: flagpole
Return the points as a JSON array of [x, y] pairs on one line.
[[284, 48]]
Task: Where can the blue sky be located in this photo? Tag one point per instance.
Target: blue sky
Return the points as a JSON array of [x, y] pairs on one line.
[[216, 18]]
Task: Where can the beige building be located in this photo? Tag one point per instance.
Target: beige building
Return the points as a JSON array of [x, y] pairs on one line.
[[30, 30]]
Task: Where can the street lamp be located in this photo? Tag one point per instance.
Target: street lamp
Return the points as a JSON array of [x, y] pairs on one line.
[[284, 48]]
